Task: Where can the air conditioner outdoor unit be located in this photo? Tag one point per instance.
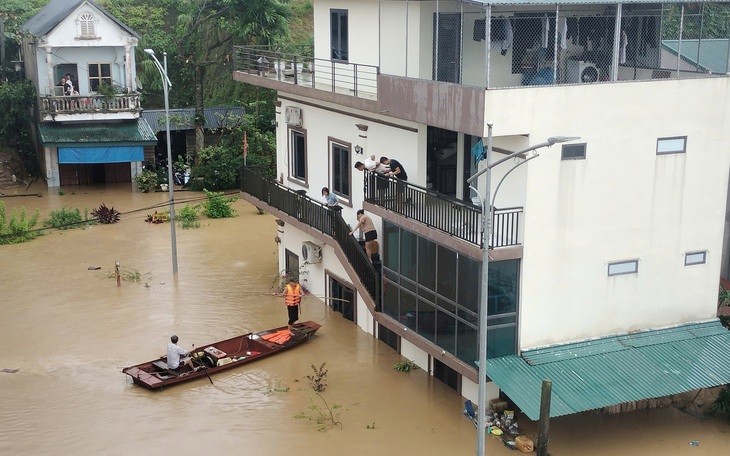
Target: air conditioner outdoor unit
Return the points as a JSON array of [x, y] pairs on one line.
[[581, 72], [293, 116], [311, 252]]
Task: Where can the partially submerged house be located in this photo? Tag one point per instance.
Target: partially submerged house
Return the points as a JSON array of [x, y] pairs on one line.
[[91, 135], [605, 251]]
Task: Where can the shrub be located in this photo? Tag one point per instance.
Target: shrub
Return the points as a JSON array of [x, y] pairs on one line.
[[188, 217], [218, 206], [721, 406], [105, 215], [220, 169], [19, 228], [146, 180], [66, 218], [405, 366]]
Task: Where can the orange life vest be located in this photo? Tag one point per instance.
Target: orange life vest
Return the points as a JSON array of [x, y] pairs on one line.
[[293, 295]]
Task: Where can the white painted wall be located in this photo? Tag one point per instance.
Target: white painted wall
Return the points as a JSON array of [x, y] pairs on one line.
[[622, 202], [363, 29], [415, 354]]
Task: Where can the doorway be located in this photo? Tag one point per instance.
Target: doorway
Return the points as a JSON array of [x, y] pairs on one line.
[[447, 47], [342, 298], [442, 160]]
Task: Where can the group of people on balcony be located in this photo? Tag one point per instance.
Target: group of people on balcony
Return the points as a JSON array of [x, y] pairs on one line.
[[68, 86]]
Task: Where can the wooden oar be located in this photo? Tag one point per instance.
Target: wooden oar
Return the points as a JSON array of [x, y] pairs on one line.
[[205, 369]]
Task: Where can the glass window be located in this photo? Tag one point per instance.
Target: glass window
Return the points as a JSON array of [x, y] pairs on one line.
[[99, 73], [427, 263], [427, 321], [408, 314], [501, 341], [298, 155], [503, 276], [691, 258], [446, 331], [467, 343], [340, 169], [623, 267], [390, 299], [470, 283], [573, 152], [674, 145], [409, 255], [390, 246], [446, 276], [339, 34]]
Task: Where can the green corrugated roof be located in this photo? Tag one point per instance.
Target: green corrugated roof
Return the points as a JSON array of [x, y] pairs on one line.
[[612, 370], [136, 132], [712, 56]]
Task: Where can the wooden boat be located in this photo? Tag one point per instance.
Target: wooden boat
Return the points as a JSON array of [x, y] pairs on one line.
[[219, 356]]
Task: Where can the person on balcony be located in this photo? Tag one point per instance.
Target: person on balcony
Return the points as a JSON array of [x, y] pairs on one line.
[[399, 172], [377, 167], [330, 199], [371, 235]]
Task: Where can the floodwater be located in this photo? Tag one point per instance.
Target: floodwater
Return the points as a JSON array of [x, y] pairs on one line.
[[69, 331]]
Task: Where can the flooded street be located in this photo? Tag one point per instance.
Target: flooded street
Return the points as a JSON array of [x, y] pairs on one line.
[[69, 330]]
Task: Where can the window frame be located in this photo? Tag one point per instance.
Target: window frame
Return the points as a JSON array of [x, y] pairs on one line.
[[337, 33], [87, 21], [687, 255], [292, 159], [99, 79], [673, 151], [623, 262], [569, 146], [346, 147]]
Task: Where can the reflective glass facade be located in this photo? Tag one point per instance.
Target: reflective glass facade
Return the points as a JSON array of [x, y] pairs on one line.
[[435, 291]]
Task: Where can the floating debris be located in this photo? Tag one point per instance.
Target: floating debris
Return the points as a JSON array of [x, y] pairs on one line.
[[9, 371], [94, 268], [694, 443]]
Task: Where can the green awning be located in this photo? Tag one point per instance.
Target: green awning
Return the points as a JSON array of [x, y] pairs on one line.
[[133, 133], [612, 370]]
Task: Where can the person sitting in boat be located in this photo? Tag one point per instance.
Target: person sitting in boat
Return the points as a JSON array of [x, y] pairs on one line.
[[174, 353]]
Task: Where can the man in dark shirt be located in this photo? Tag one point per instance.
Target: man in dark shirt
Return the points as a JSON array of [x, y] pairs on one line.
[[397, 171]]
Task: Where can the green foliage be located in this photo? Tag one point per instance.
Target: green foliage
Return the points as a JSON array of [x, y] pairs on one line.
[[66, 218], [106, 215], [219, 169], [106, 90], [318, 380], [721, 406], [188, 217], [16, 103], [129, 275], [701, 20], [146, 180], [61, 191], [218, 206], [325, 416], [405, 366], [19, 228]]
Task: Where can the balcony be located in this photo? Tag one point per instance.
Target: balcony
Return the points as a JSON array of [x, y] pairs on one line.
[[90, 107], [342, 82], [454, 217]]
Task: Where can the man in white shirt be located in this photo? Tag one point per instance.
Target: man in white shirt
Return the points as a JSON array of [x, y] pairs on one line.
[[174, 353]]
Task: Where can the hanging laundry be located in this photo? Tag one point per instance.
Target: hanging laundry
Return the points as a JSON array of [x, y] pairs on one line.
[[563, 31], [622, 47], [544, 31]]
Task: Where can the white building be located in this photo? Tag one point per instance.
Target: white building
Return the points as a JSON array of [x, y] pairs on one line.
[[613, 237], [88, 136]]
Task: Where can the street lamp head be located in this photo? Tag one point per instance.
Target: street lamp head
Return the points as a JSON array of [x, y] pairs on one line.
[[561, 139], [150, 51]]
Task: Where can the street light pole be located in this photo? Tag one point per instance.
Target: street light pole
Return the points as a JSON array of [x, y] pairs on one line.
[[166, 84], [487, 206]]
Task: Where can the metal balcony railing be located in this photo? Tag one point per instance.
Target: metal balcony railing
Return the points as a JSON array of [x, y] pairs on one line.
[[79, 104], [436, 210], [314, 214], [298, 68]]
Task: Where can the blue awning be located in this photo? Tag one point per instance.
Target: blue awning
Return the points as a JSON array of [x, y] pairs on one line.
[[119, 154]]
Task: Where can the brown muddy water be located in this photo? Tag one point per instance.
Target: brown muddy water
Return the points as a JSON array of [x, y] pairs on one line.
[[69, 331]]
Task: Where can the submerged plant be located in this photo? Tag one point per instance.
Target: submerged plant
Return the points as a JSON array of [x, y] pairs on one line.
[[19, 228], [405, 366], [325, 416], [721, 406], [105, 215], [66, 218], [218, 206], [188, 217], [318, 381]]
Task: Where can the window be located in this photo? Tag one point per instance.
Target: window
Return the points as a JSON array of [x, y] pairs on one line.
[[339, 34], [573, 152], [99, 73], [623, 267], [86, 25], [691, 258], [675, 145], [298, 153], [340, 163]]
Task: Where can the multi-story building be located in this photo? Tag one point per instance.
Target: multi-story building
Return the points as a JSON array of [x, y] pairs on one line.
[[605, 251], [89, 130]]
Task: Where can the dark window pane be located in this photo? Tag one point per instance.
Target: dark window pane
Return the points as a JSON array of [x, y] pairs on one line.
[[106, 70], [444, 304], [427, 295], [390, 246], [93, 71], [408, 310], [408, 285], [339, 32], [427, 263], [427, 320], [468, 315], [505, 320], [502, 287], [469, 283], [501, 342], [93, 84], [467, 344], [409, 254], [573, 151], [299, 157], [446, 273], [446, 332], [390, 299]]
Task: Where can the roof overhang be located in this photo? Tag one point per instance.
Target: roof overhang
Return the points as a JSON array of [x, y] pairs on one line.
[[613, 370], [137, 133]]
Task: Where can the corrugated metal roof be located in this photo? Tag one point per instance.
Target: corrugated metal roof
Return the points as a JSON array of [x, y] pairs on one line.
[[608, 371], [713, 53], [48, 17], [136, 132], [183, 118]]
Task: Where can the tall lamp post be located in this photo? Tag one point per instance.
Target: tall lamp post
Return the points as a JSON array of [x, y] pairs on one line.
[[166, 84], [487, 206]]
